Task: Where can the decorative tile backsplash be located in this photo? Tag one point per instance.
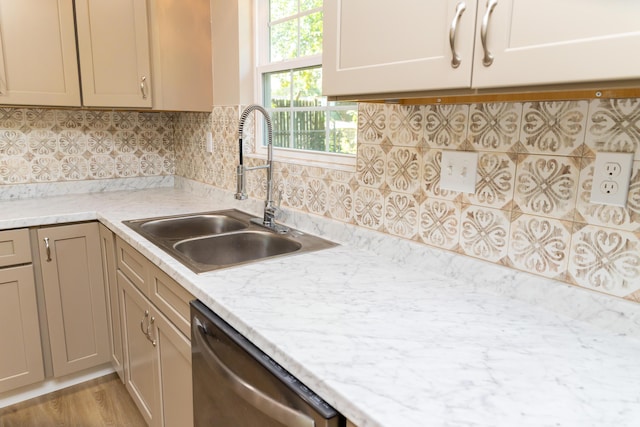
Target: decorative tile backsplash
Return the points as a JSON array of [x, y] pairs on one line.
[[40, 145], [531, 207]]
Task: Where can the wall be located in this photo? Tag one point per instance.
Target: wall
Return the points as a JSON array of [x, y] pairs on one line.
[[530, 211], [40, 145]]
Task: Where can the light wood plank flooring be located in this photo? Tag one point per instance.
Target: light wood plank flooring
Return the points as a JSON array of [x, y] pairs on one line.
[[101, 402]]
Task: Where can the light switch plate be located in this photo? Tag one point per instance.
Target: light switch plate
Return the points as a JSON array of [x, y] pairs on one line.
[[611, 176], [458, 171]]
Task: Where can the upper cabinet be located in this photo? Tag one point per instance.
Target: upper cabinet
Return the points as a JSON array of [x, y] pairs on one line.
[[377, 46], [38, 64], [113, 46], [131, 53]]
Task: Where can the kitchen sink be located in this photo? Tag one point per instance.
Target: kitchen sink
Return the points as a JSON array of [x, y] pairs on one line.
[[213, 240], [192, 226]]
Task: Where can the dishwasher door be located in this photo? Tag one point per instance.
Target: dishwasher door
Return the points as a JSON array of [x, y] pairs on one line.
[[237, 385]]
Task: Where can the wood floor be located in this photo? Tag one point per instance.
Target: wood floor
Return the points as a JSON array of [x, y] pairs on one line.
[[97, 403]]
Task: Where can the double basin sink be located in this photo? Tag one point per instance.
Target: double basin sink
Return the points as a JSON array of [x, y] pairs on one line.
[[213, 240]]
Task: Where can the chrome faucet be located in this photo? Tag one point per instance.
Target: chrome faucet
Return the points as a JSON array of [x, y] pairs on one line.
[[270, 208]]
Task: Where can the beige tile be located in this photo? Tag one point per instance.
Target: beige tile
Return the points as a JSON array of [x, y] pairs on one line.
[[341, 201], [403, 170], [405, 125], [540, 245], [495, 126], [369, 208], [370, 165], [496, 181], [432, 159], [446, 125], [401, 215], [317, 195], [484, 233], [556, 127], [440, 223], [614, 125], [546, 185], [372, 122], [605, 260]]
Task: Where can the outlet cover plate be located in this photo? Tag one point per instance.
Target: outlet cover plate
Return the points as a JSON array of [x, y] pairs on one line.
[[458, 171], [611, 176]]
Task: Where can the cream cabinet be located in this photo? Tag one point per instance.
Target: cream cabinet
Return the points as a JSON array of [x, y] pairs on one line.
[[113, 47], [157, 350], [108, 252], [38, 64], [21, 361], [74, 296], [415, 46]]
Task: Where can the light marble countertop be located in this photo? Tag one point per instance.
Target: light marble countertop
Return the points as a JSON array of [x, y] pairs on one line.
[[429, 340]]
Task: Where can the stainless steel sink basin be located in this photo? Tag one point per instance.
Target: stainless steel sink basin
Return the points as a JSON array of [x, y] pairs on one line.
[[213, 240], [192, 226], [236, 248]]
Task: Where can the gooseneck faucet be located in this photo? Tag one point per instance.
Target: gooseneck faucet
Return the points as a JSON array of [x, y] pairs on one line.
[[270, 209]]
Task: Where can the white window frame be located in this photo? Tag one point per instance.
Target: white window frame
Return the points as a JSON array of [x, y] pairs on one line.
[[305, 157]]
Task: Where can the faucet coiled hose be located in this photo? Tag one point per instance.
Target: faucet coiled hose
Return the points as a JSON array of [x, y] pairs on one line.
[[243, 119]]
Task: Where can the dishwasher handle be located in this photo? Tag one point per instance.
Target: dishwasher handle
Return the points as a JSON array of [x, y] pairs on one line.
[[248, 392]]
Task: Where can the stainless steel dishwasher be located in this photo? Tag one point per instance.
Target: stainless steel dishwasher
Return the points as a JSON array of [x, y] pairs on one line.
[[237, 385]]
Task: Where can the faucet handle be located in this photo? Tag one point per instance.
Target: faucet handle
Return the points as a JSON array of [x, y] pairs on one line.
[[279, 198]]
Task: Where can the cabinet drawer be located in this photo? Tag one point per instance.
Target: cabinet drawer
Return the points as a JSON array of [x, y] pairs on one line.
[[133, 265], [14, 247], [172, 299]]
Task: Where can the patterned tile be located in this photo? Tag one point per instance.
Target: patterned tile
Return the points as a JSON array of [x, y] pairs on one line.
[[12, 118], [372, 122], [317, 195], [370, 165], [74, 168], [554, 127], [484, 233], [540, 245], [401, 215], [13, 143], [405, 125], [627, 218], [340, 201], [495, 127], [403, 169], [614, 125], [546, 185], [439, 223], [14, 170], [368, 208], [496, 181], [605, 260], [446, 125], [45, 169], [42, 142]]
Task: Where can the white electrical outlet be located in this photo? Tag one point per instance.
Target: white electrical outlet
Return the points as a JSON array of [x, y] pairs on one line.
[[458, 171], [611, 176], [209, 142]]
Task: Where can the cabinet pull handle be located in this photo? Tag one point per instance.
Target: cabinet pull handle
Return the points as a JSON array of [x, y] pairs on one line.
[[47, 248], [143, 87], [488, 57], [142, 328], [455, 60], [153, 340]]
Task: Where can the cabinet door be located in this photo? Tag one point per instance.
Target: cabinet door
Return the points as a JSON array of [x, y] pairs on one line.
[[182, 75], [174, 356], [141, 360], [20, 348], [74, 296], [113, 45], [395, 46], [38, 64], [108, 249], [550, 41]]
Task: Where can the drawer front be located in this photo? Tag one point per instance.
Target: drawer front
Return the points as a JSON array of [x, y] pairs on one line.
[[172, 299], [133, 265], [14, 247]]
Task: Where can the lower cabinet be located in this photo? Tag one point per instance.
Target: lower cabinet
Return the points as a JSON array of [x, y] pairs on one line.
[[20, 349], [74, 296], [157, 353]]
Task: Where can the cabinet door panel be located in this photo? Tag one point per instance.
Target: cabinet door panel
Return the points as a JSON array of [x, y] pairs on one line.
[[107, 245], [141, 371], [382, 46], [74, 297], [20, 348], [175, 367], [38, 53], [113, 44], [550, 41]]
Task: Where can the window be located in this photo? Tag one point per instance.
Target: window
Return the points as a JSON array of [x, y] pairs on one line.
[[290, 72]]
